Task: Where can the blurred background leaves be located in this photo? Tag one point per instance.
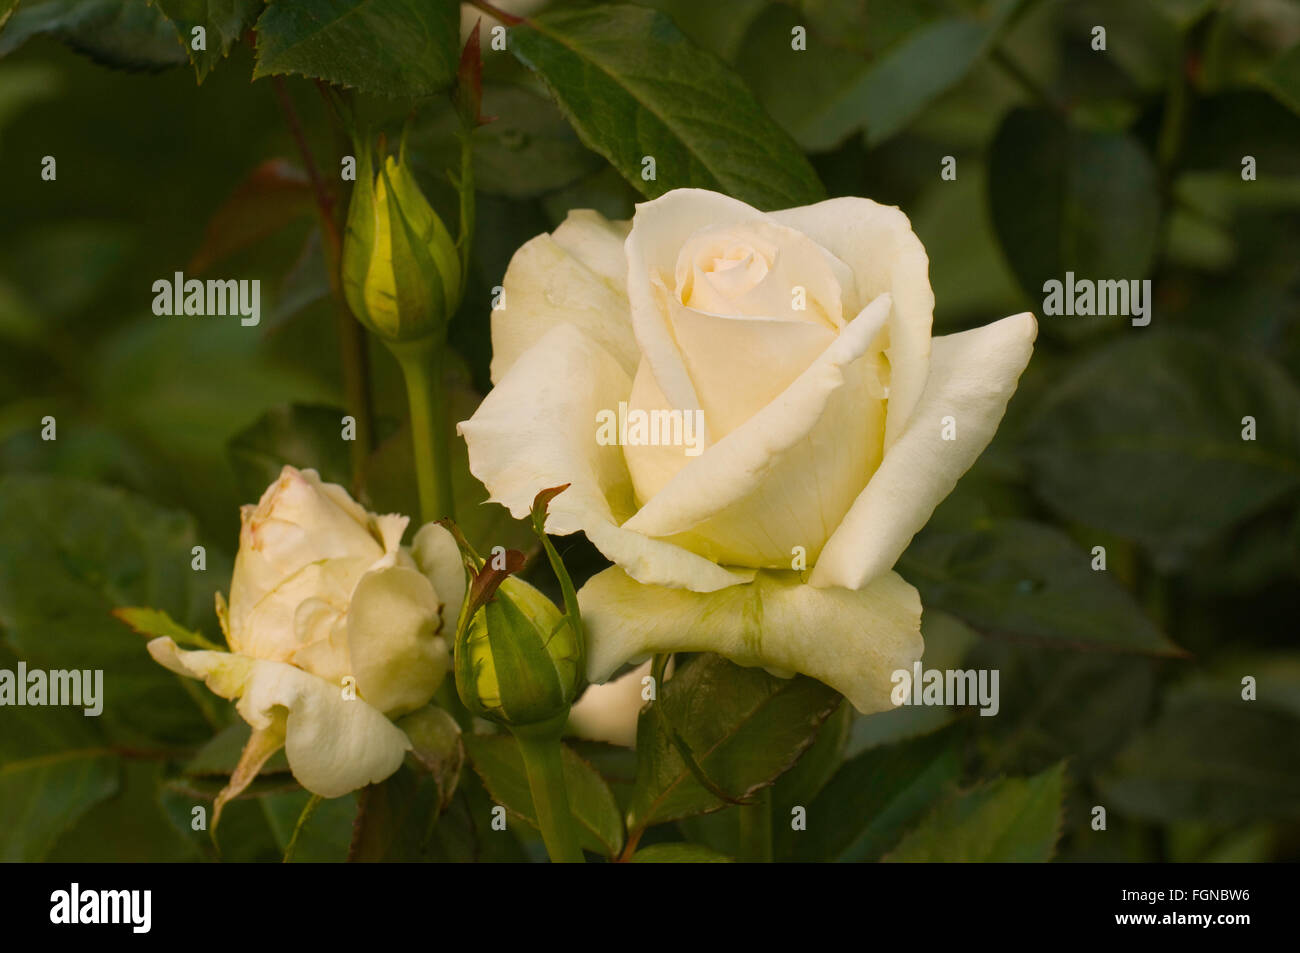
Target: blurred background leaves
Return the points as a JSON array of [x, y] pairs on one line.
[[1121, 687]]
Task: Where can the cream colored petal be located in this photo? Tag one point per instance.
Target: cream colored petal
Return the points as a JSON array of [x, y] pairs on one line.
[[609, 712], [972, 376], [391, 528], [764, 270], [878, 244], [274, 629], [334, 745], [574, 275], [397, 657], [660, 228], [740, 365], [852, 640], [299, 520], [537, 429], [787, 476], [438, 557]]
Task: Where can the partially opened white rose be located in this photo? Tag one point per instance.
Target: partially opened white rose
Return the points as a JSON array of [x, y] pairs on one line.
[[333, 630], [800, 341]]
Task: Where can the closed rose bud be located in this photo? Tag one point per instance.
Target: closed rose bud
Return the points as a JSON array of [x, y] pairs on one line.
[[401, 267], [518, 660]]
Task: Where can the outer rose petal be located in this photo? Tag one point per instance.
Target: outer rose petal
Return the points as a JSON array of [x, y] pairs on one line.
[[787, 476], [609, 712], [397, 657], [972, 376], [851, 640], [575, 275], [334, 745], [878, 244], [438, 557], [537, 429]]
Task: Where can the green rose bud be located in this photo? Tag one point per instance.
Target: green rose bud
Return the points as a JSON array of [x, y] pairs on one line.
[[401, 267], [519, 659]]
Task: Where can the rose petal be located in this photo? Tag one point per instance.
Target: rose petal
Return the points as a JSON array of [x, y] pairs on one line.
[[972, 376], [659, 230], [878, 244], [786, 477], [609, 712], [537, 428], [575, 275], [438, 557], [851, 640], [397, 658], [333, 745]]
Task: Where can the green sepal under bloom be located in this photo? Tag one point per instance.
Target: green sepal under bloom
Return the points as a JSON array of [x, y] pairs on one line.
[[401, 268], [519, 659]]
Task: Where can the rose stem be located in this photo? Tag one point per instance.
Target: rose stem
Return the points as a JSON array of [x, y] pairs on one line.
[[544, 762], [422, 368]]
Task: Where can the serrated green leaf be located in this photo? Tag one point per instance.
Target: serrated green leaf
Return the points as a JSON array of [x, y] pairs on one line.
[[1095, 209], [1013, 820], [679, 854], [659, 96], [223, 22], [743, 728], [862, 811], [499, 763], [1027, 579], [1144, 439], [405, 48], [129, 34], [155, 623]]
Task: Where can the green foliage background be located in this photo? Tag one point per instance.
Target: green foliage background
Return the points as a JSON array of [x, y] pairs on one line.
[[1119, 688]]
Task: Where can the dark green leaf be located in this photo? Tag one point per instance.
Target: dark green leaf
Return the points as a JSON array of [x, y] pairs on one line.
[[662, 97], [1095, 207], [1145, 440], [70, 553], [1212, 757], [911, 75], [742, 727], [1028, 579], [679, 854], [396, 818], [130, 34], [498, 762], [223, 22], [1014, 820], [405, 48], [326, 834], [220, 755], [863, 810], [1282, 79], [53, 769]]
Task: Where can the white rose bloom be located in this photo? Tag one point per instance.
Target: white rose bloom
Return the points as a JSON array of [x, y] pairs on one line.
[[801, 340], [323, 591]]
